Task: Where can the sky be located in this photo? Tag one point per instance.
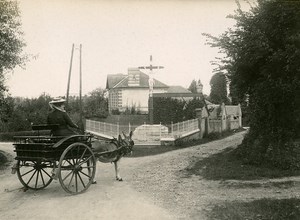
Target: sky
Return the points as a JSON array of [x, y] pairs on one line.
[[116, 35]]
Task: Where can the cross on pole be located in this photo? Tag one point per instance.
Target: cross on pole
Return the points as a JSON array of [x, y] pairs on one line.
[[151, 80], [151, 84], [151, 67]]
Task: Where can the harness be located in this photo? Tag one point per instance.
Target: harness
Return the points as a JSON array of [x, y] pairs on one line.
[[123, 146]]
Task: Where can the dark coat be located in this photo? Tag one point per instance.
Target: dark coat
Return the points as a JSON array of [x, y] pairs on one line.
[[64, 122]]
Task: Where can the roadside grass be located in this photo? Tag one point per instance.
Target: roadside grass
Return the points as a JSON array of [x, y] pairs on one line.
[[263, 209], [5, 161], [226, 165], [3, 158]]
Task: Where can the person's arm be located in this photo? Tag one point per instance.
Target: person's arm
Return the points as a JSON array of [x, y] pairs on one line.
[[69, 121], [48, 120]]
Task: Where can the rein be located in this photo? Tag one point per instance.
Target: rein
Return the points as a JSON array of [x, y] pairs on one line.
[[123, 146]]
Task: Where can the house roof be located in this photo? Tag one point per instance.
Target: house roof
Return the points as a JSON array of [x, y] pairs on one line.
[[215, 110], [121, 81], [207, 102], [177, 89], [232, 109], [114, 79]]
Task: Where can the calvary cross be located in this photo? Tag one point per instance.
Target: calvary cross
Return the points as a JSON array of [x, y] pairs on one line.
[[150, 67], [151, 80], [151, 85]]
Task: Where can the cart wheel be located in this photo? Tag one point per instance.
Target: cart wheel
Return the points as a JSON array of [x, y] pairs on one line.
[[76, 168], [34, 174]]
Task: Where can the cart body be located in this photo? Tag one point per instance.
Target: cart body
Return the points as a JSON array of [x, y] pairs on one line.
[[42, 158]]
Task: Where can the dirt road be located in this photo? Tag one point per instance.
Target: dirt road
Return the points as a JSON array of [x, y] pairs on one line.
[[108, 199], [154, 187]]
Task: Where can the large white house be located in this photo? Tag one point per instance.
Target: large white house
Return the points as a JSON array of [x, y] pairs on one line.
[[132, 90]]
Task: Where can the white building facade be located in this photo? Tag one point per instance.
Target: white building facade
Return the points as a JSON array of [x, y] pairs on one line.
[[131, 91]]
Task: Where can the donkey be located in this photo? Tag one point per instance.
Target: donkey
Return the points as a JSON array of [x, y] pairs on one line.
[[111, 151]]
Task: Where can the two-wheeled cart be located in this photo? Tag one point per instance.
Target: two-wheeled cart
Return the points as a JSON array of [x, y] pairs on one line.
[[42, 158]]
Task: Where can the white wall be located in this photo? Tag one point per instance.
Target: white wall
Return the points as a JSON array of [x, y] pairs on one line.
[[138, 97]]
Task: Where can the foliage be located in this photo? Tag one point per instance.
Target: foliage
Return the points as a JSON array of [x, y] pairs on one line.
[[167, 110], [22, 112], [266, 208], [11, 41], [193, 86], [95, 104], [172, 110], [262, 64], [228, 165], [132, 110], [115, 111], [18, 114], [190, 108], [134, 120], [218, 91]]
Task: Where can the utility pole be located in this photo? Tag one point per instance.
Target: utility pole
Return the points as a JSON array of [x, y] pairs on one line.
[[81, 126], [80, 88], [69, 78]]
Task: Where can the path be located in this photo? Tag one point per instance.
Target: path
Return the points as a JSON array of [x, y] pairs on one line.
[[154, 188], [108, 199]]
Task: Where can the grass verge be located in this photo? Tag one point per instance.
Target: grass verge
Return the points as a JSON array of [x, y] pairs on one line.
[[226, 165], [266, 209], [3, 158]]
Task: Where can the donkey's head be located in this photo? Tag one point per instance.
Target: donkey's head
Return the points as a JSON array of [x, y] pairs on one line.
[[126, 142]]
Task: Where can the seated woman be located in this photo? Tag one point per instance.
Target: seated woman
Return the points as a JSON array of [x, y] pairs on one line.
[[59, 116]]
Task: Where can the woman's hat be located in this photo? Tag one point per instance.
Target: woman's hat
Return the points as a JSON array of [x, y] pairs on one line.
[[56, 104], [57, 100]]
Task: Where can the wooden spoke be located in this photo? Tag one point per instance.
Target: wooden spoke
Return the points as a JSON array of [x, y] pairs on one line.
[[67, 176], [85, 174], [81, 180], [34, 174], [79, 157]]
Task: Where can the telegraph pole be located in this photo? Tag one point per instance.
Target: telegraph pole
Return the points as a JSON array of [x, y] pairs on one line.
[[80, 89], [69, 78], [81, 126]]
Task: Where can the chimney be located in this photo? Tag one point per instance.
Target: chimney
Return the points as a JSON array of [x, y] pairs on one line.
[[133, 77]]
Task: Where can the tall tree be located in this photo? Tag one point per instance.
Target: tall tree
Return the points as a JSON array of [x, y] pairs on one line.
[[96, 105], [193, 86], [218, 88], [262, 54], [11, 43]]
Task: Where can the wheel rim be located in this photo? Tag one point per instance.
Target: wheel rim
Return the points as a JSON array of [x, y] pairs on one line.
[[34, 174], [76, 169]]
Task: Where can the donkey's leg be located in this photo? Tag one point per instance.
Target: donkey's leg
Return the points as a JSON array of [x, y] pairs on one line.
[[117, 169]]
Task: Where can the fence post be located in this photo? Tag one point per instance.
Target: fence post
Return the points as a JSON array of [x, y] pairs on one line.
[[111, 130], [129, 128], [145, 133], [172, 128], [159, 130], [118, 128]]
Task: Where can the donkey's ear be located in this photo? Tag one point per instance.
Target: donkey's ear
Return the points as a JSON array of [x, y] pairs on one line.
[[130, 134], [119, 138]]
